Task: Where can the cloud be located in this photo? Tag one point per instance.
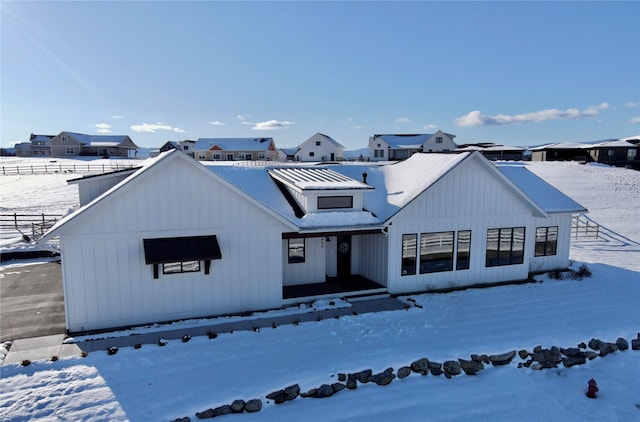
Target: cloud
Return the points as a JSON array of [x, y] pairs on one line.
[[476, 118], [242, 117], [273, 125], [402, 120], [631, 104], [216, 123], [152, 128], [634, 120], [103, 128], [117, 117], [429, 126]]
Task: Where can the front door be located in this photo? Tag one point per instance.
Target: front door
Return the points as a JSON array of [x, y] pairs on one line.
[[344, 257]]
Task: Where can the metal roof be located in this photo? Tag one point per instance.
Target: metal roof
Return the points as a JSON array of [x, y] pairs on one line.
[[316, 179]]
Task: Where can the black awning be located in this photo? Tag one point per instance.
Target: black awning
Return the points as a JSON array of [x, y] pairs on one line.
[[176, 249]]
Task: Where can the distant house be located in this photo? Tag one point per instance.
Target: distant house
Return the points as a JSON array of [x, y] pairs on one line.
[[23, 149], [400, 147], [37, 146], [495, 152], [617, 152], [320, 147], [561, 151], [233, 149], [249, 238], [287, 154], [185, 146], [71, 144]]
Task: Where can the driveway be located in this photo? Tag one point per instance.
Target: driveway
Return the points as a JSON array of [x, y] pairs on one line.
[[31, 301]]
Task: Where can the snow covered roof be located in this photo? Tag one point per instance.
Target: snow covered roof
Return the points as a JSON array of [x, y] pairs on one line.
[[98, 140], [233, 144], [290, 151], [309, 178], [405, 141], [615, 143], [542, 193], [41, 138], [328, 138], [562, 145], [491, 148]]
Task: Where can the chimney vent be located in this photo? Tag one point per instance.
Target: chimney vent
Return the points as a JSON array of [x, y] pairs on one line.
[[364, 177]]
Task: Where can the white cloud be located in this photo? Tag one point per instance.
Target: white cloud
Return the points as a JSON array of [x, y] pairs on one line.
[[429, 126], [216, 123], [103, 128], [356, 127], [402, 120], [117, 117], [631, 104], [634, 120], [242, 117], [152, 128], [476, 118], [273, 125]]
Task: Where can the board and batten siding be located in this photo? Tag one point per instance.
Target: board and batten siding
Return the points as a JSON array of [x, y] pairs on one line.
[[108, 283], [312, 270], [373, 263], [469, 197], [561, 258]]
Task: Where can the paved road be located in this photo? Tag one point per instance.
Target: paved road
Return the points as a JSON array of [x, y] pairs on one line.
[[31, 301]]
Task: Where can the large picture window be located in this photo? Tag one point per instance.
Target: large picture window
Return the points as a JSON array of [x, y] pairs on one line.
[[463, 254], [436, 252], [546, 241], [505, 246], [296, 250], [409, 253]]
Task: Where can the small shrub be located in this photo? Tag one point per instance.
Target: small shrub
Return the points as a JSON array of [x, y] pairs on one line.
[[555, 275], [54, 358], [296, 321], [26, 362], [112, 351], [186, 338], [137, 346], [211, 334], [256, 329], [582, 272], [274, 325], [84, 354], [337, 316]]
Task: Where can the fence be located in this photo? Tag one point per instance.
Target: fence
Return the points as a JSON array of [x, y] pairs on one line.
[[64, 168], [581, 227], [36, 224]]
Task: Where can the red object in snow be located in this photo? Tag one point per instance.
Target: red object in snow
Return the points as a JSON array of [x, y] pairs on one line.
[[592, 389]]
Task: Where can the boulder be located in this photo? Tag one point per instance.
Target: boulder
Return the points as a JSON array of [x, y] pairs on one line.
[[337, 386], [635, 344], [253, 405], [435, 368], [276, 396], [574, 360], [383, 378], [238, 406], [548, 358], [622, 344], [476, 358], [404, 372], [503, 359], [291, 392], [351, 382], [342, 377], [363, 376], [185, 419], [451, 368], [523, 354], [571, 351], [470, 367], [420, 366], [325, 390], [594, 344]]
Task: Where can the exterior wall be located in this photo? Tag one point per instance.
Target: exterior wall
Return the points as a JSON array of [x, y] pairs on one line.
[[312, 270], [379, 145], [373, 262], [59, 147], [90, 189], [255, 155], [447, 143], [107, 282], [467, 198], [320, 152], [561, 259]]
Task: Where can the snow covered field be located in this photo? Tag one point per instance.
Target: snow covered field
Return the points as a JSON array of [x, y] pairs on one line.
[[164, 383]]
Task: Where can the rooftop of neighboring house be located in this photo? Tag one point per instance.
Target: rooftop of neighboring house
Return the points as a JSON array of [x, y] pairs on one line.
[[233, 144]]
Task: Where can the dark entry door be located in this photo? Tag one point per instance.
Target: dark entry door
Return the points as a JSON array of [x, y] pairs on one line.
[[344, 257]]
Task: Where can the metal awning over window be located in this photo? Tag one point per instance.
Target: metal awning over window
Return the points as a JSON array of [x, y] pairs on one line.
[[176, 249], [181, 249]]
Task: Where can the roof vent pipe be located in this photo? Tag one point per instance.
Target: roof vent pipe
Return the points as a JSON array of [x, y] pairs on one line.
[[364, 177]]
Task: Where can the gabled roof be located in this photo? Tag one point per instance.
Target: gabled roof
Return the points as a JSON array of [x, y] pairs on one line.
[[405, 141], [41, 138], [615, 143], [542, 193], [310, 178], [561, 145], [233, 144], [97, 140], [327, 138]]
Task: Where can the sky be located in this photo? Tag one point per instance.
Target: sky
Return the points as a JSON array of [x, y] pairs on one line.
[[513, 73]]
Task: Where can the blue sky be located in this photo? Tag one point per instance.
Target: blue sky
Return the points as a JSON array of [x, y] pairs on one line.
[[515, 73]]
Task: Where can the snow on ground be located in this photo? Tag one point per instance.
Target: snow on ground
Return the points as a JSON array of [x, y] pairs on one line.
[[163, 383]]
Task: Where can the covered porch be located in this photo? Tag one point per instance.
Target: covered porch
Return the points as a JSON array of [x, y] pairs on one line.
[[352, 286]]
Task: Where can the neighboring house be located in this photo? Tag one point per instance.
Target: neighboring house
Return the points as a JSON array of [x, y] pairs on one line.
[[561, 151], [185, 146], [23, 149], [233, 149], [38, 146], [495, 152], [70, 144], [617, 152], [401, 147], [245, 238], [320, 147], [287, 154]]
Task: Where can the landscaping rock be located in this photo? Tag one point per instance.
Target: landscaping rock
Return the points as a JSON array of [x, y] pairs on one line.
[[383, 378], [571, 351], [253, 405], [451, 368], [337, 386], [185, 419], [548, 358], [404, 372], [342, 377], [503, 359], [212, 413], [582, 345], [635, 344], [574, 360], [363, 376], [291, 392], [421, 366], [476, 358], [238, 406], [435, 368], [325, 390], [276, 396], [594, 344], [351, 382], [470, 367], [523, 354], [622, 344], [591, 354]]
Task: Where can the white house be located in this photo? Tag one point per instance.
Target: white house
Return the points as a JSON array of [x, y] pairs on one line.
[[320, 147], [178, 239], [400, 147]]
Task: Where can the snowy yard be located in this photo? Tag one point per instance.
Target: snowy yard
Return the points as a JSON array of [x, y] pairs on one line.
[[165, 383]]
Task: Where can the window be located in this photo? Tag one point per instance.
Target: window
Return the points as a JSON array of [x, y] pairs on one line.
[[463, 255], [505, 246], [375, 153], [436, 252], [70, 151], [318, 143], [330, 202], [262, 155], [229, 157], [201, 156], [248, 157], [241, 156], [409, 253], [312, 154], [180, 267], [65, 138], [632, 154], [546, 241], [216, 156], [438, 139], [296, 250]]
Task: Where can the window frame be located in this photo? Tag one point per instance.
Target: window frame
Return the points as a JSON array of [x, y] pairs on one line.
[[445, 263], [509, 248], [334, 202], [545, 246], [463, 262], [409, 262], [183, 267], [296, 251]]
